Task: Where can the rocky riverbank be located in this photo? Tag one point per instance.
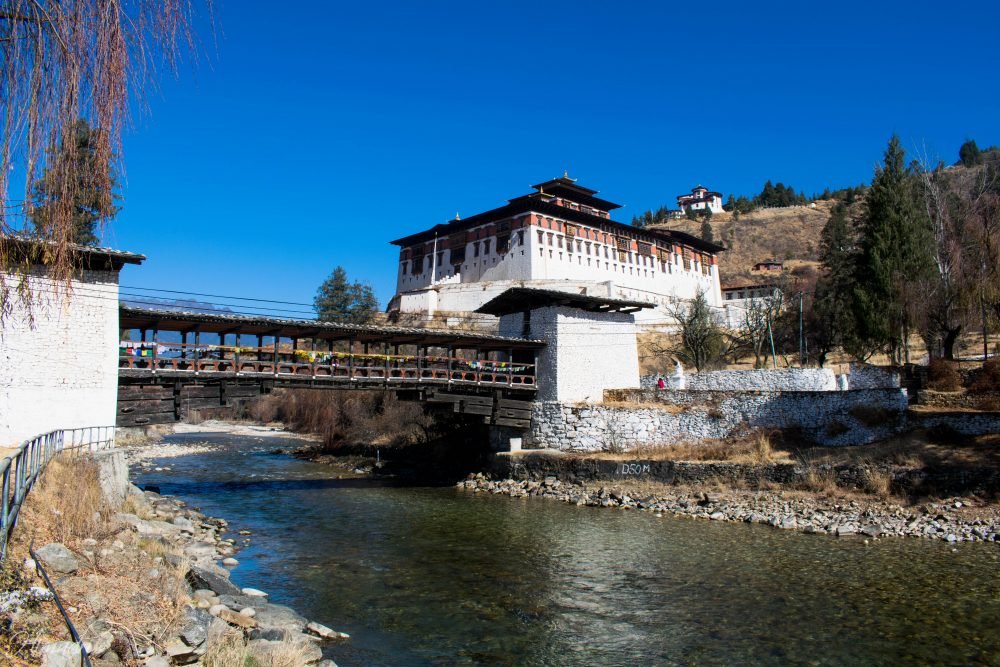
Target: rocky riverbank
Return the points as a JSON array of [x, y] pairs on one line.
[[153, 586], [954, 520]]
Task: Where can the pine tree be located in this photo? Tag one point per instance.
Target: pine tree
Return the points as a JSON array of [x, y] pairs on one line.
[[706, 231], [832, 319], [894, 254], [90, 200], [969, 154], [338, 300]]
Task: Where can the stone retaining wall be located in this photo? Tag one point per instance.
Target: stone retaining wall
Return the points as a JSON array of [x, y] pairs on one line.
[[960, 399], [573, 469], [966, 423], [862, 376], [671, 417], [782, 379]]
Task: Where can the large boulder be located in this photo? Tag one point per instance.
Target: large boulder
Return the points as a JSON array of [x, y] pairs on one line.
[[62, 654], [213, 578], [58, 558], [280, 617]]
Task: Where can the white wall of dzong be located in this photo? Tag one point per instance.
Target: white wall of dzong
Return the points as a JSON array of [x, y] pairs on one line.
[[540, 252], [585, 353], [59, 356]]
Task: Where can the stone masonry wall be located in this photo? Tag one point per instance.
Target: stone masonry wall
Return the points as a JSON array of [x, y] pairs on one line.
[[829, 418], [862, 376], [60, 369], [785, 379], [782, 379]]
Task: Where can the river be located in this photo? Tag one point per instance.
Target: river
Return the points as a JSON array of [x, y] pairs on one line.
[[438, 576]]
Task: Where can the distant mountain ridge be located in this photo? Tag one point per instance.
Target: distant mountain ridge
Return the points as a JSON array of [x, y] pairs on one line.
[[176, 305]]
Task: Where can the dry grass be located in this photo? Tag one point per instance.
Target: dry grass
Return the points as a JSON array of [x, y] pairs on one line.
[[878, 483], [230, 650], [66, 505], [137, 506], [662, 406], [756, 447], [134, 588]]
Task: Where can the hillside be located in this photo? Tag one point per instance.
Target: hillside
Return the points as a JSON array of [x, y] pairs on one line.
[[791, 233]]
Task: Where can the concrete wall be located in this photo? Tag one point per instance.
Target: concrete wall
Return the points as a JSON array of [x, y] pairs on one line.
[[829, 418], [61, 370], [585, 353]]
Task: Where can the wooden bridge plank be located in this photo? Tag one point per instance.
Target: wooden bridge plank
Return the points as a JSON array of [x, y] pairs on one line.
[[145, 407], [514, 404], [515, 423], [143, 393]]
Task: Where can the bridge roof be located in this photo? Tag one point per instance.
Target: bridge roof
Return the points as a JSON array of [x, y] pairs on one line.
[[226, 323], [520, 299]]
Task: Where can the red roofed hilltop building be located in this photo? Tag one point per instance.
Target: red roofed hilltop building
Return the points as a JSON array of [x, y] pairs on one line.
[[701, 198], [561, 236]]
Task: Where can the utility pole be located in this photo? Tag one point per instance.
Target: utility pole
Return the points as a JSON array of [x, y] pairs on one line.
[[774, 359], [802, 340]]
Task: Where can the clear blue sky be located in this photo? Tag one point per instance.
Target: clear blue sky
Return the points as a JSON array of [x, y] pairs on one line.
[[313, 134]]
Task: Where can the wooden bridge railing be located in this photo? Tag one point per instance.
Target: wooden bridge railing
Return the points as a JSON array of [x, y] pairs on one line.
[[333, 366]]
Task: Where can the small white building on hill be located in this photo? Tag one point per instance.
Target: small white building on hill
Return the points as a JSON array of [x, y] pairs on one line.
[[701, 198]]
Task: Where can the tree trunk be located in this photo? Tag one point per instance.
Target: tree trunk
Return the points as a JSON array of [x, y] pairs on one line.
[[948, 343]]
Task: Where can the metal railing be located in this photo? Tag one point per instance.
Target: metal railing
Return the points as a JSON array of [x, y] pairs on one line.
[[20, 470]]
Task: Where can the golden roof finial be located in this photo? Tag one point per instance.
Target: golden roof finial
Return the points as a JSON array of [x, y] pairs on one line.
[[565, 173], [457, 216]]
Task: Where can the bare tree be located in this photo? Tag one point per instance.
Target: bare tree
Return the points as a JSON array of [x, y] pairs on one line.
[[65, 60], [702, 341], [754, 331], [941, 319], [983, 230]]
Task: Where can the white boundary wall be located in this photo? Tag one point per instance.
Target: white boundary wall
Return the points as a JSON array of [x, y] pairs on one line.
[[782, 379], [829, 418], [61, 370]]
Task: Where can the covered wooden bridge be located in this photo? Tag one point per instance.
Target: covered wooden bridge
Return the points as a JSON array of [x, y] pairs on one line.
[[171, 362]]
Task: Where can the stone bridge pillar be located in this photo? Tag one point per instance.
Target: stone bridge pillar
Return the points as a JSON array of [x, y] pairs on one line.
[[590, 341]]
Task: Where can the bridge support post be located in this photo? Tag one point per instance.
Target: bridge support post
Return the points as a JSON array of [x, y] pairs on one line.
[[506, 439]]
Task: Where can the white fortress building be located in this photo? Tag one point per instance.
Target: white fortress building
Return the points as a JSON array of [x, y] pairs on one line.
[[560, 237], [701, 198]]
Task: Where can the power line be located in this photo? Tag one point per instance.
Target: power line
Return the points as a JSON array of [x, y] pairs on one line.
[[216, 296]]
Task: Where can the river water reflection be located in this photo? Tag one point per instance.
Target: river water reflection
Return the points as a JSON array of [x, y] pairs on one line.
[[437, 576]]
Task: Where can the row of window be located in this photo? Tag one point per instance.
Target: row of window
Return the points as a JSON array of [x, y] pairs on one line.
[[612, 266], [643, 258]]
